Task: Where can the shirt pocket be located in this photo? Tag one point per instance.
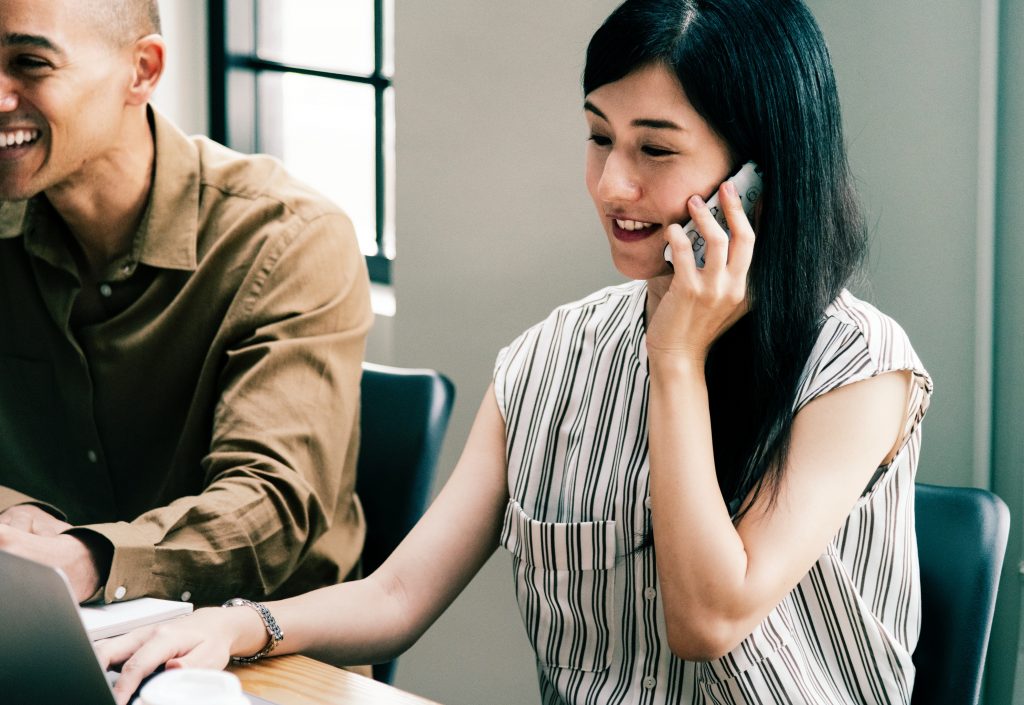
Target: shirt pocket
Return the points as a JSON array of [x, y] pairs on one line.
[[565, 586]]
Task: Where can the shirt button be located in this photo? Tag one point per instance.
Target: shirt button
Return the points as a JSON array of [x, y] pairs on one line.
[[649, 682], [120, 592], [647, 503], [91, 455], [650, 593], [186, 596], [106, 291]]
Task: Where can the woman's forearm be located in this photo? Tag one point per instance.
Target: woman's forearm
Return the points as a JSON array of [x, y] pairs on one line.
[[702, 562], [718, 580], [358, 622]]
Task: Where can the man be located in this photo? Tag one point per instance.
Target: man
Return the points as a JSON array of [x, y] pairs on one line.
[[181, 332]]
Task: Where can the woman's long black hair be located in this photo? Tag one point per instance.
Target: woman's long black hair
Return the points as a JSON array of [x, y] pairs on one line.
[[759, 73]]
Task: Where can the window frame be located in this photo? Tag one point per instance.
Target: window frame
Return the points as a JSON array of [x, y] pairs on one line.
[[223, 60]]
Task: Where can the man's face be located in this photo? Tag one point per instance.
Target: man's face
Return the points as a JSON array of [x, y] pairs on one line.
[[62, 96]]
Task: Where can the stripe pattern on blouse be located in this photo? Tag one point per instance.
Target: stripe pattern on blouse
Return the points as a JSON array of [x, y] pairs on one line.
[[573, 391]]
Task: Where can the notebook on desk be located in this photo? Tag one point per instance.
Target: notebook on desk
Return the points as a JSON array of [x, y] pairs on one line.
[[45, 653], [102, 621]]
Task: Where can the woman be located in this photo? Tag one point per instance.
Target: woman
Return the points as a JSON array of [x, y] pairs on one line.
[[704, 476]]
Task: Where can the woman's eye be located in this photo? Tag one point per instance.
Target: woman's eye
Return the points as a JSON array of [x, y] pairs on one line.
[[657, 151], [600, 140]]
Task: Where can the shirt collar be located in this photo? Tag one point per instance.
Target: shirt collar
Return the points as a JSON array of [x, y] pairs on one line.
[[42, 229], [12, 218], [168, 234], [169, 231]]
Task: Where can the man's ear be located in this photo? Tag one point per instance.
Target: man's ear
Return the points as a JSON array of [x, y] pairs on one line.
[[147, 67]]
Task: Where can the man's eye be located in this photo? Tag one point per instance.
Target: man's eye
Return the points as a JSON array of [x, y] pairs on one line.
[[31, 62], [600, 140]]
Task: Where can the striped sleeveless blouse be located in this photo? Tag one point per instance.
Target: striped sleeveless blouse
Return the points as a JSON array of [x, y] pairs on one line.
[[573, 392]]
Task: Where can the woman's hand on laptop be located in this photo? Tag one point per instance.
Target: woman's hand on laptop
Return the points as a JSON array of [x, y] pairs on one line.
[[204, 639]]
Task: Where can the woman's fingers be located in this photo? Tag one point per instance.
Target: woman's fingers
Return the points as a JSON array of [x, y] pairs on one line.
[[741, 240], [715, 240], [682, 251], [143, 651], [116, 650], [150, 656]]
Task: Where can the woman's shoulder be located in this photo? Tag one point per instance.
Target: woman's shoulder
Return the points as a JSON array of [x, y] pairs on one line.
[[607, 302], [614, 310], [608, 298], [849, 310], [884, 339], [858, 341]]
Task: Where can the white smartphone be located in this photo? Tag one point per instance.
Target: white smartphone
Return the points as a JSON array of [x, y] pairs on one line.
[[748, 187]]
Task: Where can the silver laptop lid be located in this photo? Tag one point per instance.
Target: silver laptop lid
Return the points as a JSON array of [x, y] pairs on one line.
[[46, 656]]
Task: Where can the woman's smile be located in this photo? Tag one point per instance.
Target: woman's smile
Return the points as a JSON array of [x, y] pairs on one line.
[[626, 230]]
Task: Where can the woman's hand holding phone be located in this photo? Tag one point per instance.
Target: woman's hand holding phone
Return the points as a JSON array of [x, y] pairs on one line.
[[702, 303]]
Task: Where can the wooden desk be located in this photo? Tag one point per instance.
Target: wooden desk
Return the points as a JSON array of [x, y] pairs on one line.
[[299, 680]]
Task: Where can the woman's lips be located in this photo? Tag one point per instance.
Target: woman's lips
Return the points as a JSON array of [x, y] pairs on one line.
[[632, 230]]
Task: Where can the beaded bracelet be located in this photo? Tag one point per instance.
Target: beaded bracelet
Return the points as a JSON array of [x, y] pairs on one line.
[[273, 629]]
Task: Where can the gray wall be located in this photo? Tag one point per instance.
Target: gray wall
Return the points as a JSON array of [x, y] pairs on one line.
[[495, 229], [1008, 448]]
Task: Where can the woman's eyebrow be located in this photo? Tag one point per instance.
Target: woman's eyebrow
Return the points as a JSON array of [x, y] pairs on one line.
[[657, 124], [654, 123], [590, 107]]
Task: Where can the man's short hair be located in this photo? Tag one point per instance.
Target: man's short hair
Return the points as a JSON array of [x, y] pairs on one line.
[[124, 21]]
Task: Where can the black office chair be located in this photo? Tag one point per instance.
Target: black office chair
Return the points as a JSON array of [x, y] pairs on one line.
[[961, 540], [403, 421]]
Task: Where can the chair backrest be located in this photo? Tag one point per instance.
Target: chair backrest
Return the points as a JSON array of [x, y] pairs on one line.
[[402, 426], [961, 540]]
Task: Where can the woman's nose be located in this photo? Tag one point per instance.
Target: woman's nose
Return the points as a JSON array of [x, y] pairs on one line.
[[618, 181]]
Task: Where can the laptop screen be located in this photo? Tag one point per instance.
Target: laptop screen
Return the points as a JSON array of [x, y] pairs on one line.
[[45, 653]]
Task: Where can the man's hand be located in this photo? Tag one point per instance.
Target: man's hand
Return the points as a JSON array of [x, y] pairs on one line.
[[33, 520], [85, 563]]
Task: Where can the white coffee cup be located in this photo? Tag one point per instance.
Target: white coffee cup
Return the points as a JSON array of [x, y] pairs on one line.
[[193, 686]]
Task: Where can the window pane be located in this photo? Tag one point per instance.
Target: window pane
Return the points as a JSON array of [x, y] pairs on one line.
[[325, 132], [240, 32], [241, 118], [329, 34]]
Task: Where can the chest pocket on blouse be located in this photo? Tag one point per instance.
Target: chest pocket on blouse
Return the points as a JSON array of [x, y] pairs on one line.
[[565, 586]]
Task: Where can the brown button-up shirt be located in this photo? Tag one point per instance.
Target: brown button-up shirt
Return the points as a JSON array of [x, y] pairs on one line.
[[207, 424]]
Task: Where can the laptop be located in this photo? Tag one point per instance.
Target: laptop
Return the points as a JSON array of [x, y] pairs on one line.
[[46, 655]]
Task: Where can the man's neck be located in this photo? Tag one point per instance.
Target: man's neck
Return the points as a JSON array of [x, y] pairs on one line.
[[104, 204]]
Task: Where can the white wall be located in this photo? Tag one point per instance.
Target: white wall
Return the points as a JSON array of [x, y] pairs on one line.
[[182, 92]]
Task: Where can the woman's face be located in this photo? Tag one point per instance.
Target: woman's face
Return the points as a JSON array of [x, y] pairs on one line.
[[649, 151]]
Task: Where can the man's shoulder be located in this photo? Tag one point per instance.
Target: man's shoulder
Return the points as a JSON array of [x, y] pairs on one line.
[[259, 179]]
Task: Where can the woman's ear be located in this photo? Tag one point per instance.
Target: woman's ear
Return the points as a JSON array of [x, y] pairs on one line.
[[147, 67]]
